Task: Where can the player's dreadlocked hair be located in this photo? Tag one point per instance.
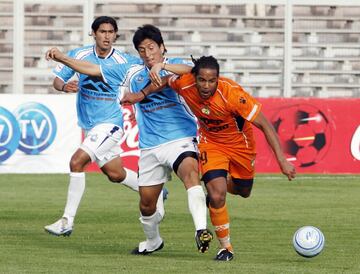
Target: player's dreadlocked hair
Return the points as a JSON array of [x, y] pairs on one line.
[[208, 62]]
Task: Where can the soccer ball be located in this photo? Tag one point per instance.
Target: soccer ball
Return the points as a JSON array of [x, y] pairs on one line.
[[308, 241]]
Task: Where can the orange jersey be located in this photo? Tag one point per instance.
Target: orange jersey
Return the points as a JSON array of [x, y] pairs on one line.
[[225, 117]]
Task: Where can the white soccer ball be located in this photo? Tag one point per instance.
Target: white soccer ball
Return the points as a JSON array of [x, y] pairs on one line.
[[308, 241]]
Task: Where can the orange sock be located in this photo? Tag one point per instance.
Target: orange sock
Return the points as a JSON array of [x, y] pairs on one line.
[[220, 220]]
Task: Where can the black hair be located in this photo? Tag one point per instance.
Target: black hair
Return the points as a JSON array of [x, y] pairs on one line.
[[104, 20], [208, 62], [148, 32]]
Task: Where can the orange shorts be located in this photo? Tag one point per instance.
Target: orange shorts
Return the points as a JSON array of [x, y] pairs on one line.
[[238, 162]]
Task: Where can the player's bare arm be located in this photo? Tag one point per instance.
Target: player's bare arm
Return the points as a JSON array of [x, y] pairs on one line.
[[265, 126], [80, 66], [69, 87], [178, 69], [133, 98]]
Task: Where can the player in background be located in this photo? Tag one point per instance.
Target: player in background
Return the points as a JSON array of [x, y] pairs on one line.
[[225, 113], [99, 115], [166, 137]]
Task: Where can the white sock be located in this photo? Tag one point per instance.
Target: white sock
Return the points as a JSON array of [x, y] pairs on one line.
[[131, 180], [197, 206], [160, 204], [151, 229], [75, 192]]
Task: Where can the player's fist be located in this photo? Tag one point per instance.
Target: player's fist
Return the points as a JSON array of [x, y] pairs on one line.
[[54, 54]]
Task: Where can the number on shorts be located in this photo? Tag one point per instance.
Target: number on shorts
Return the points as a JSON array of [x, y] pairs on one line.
[[203, 157]]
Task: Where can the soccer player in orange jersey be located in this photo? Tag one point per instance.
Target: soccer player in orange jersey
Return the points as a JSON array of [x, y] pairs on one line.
[[227, 147]]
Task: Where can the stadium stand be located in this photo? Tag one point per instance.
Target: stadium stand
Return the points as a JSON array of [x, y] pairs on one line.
[[247, 38]]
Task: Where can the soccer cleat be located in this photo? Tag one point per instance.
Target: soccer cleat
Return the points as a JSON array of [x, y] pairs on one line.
[[165, 193], [136, 251], [224, 255], [60, 228], [203, 238]]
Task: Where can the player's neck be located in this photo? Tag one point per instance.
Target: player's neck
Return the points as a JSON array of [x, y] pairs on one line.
[[102, 53]]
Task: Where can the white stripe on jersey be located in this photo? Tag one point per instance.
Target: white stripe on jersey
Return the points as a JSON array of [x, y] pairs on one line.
[[131, 73], [118, 58], [83, 53], [252, 113], [222, 96]]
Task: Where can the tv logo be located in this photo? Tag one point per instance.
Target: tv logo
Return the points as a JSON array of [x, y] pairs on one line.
[[9, 134], [31, 128]]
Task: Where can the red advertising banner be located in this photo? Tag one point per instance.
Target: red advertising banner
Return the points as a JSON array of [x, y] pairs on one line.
[[318, 135]]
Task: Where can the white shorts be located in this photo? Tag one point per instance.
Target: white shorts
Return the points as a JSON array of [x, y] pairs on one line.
[[102, 143], [156, 164]]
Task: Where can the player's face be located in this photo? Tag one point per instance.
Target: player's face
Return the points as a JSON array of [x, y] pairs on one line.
[[150, 52], [206, 82], [104, 38]]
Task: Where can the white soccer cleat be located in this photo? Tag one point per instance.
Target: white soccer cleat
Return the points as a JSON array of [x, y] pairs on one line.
[[144, 249], [60, 228]]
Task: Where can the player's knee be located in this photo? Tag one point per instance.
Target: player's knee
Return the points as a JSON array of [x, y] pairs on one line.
[[76, 165], [147, 209], [217, 200]]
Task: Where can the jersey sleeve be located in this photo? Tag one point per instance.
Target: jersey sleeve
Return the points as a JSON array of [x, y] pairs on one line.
[[243, 104], [115, 75], [63, 72], [174, 82]]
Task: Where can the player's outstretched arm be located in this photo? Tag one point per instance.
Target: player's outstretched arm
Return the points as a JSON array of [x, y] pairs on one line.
[[265, 126], [80, 66], [178, 69]]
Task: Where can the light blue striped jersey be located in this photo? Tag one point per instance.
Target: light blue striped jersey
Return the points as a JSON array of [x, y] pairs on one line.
[[97, 101], [162, 117]]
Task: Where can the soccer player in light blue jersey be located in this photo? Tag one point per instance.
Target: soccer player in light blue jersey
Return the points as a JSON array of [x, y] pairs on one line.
[[167, 132], [99, 115]]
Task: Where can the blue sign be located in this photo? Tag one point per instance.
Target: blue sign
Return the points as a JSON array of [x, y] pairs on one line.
[[9, 134], [32, 129], [37, 125]]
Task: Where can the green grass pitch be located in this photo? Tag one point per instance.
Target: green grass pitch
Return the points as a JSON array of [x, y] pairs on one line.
[[107, 227]]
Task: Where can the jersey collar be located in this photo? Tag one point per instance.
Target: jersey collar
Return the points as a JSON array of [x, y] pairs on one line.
[[107, 56]]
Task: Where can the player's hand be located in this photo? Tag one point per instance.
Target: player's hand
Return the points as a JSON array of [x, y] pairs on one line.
[[155, 74], [131, 98], [288, 169], [72, 86], [54, 54]]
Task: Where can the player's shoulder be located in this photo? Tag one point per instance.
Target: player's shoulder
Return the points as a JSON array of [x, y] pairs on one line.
[[124, 57], [82, 52], [137, 70], [177, 60], [229, 85], [185, 81]]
